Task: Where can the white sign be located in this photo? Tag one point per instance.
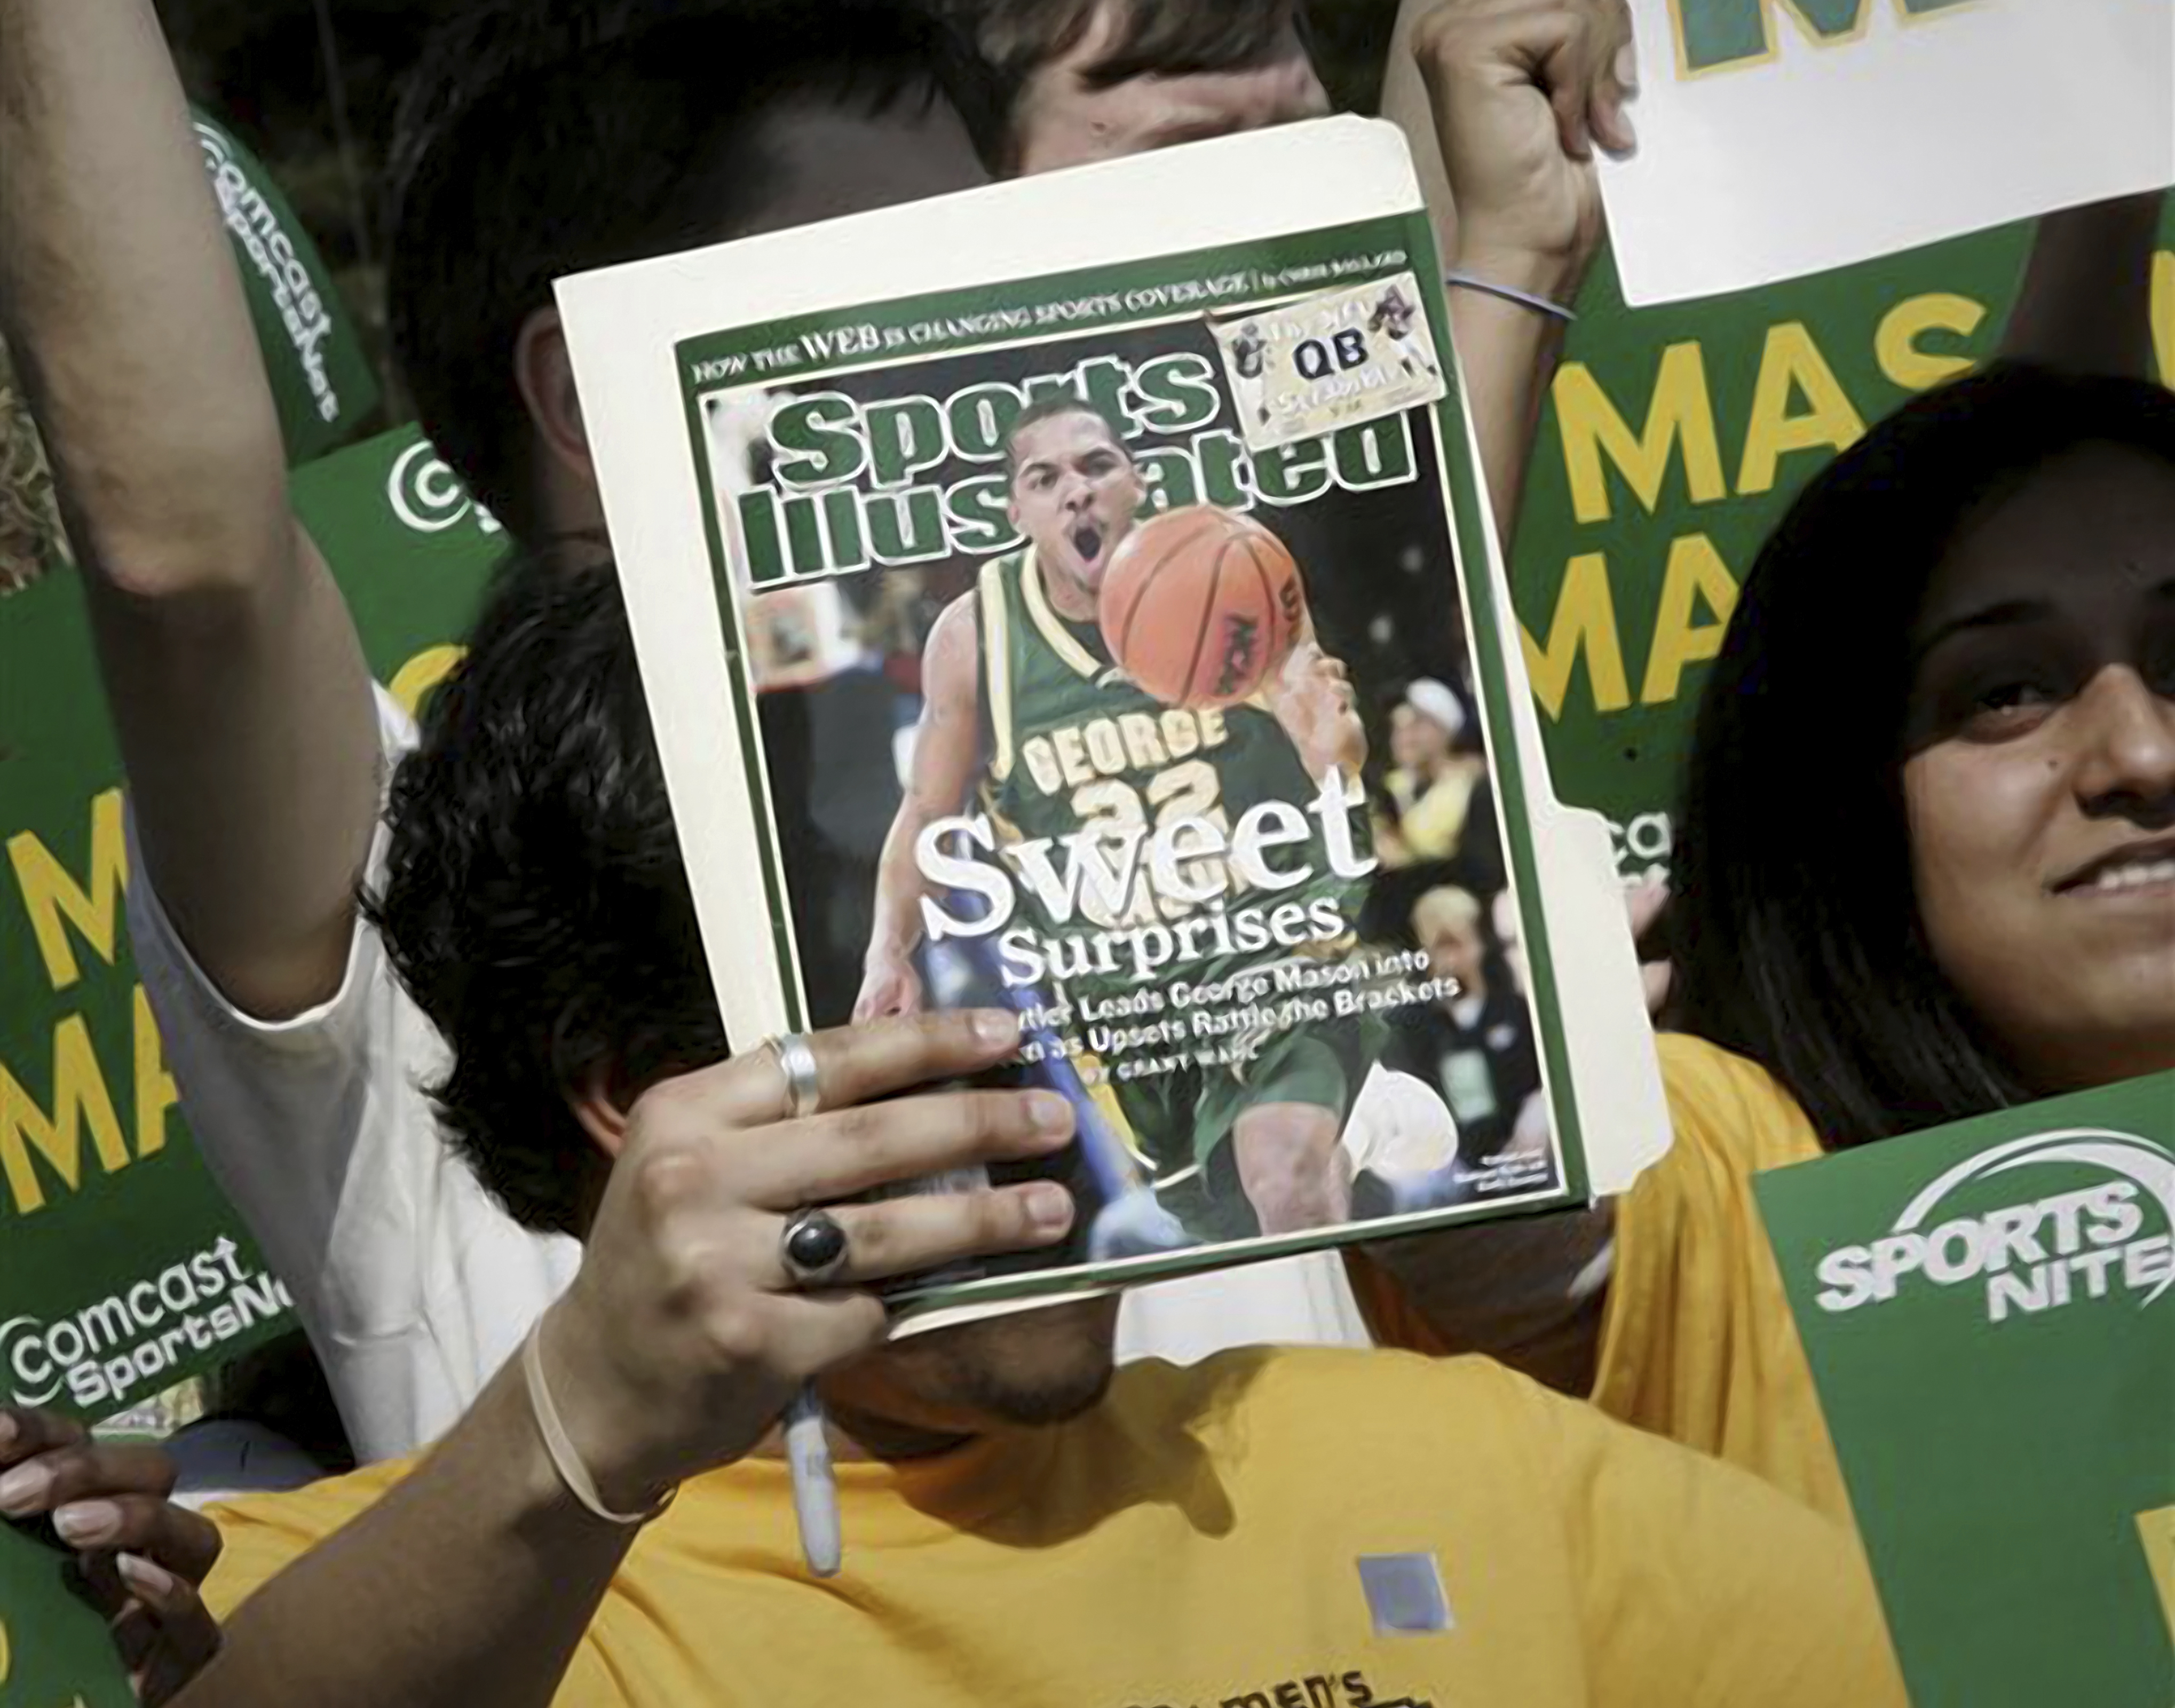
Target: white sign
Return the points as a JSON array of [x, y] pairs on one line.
[[1779, 138]]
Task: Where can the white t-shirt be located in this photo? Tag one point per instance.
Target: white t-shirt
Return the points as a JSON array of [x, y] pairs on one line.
[[413, 1283]]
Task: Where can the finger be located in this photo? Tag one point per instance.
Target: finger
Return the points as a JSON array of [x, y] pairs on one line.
[[1657, 976], [82, 1469], [820, 1331], [1563, 77], [855, 1063], [1608, 114], [26, 1432], [151, 1527], [904, 1236], [1645, 903], [838, 1156], [188, 1636]]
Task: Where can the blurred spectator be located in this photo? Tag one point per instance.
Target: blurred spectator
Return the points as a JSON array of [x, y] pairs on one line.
[[1432, 776], [1475, 1044]]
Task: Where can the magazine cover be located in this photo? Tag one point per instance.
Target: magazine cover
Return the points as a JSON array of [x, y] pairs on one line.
[[1080, 628], [1986, 1308]]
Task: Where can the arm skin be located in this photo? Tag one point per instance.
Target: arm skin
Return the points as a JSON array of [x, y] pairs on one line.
[[230, 666], [2085, 303], [946, 751], [517, 1570], [1507, 354]]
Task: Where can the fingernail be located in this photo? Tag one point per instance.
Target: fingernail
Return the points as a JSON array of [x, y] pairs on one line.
[[88, 1522], [994, 1027], [141, 1574], [1050, 1112], [23, 1490], [1049, 1208], [1627, 68]]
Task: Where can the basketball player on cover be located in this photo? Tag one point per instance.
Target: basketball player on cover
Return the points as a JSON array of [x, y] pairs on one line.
[[1393, 318], [1250, 361], [1018, 670]]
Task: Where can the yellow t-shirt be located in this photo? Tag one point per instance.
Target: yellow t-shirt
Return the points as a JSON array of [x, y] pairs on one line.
[[1208, 1537], [1697, 1342]]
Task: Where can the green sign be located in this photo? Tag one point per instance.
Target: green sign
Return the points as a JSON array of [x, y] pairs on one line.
[[122, 1270], [321, 375], [54, 1649], [1989, 1312], [1673, 441]]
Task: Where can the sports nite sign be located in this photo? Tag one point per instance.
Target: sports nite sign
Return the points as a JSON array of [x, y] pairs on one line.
[[2027, 1253], [1988, 1311]]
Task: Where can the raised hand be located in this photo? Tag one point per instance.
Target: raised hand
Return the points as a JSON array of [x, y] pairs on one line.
[[1522, 91], [684, 1336], [143, 1557]]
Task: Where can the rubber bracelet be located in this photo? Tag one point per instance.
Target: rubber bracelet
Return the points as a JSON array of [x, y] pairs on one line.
[[1466, 281], [565, 1459]]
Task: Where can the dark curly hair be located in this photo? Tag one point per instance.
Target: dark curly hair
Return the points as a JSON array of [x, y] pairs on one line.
[[543, 138], [1805, 951], [534, 903]]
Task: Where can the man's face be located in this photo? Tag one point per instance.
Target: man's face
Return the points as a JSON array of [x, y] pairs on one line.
[[1454, 951], [1035, 1368], [1063, 119], [1075, 493]]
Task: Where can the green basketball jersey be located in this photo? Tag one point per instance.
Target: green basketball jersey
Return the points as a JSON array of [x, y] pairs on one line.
[[1072, 745]]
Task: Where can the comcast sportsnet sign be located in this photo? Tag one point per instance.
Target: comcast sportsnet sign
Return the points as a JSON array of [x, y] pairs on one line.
[[2035, 1225], [127, 1343]]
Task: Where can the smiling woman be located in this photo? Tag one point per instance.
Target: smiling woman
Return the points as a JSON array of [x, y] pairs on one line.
[[1960, 646]]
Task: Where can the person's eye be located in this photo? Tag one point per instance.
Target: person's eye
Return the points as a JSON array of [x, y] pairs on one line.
[[2005, 703]]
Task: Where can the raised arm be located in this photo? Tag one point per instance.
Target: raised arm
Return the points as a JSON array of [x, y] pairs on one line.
[[946, 749], [1503, 102], [2085, 304], [471, 1585], [236, 681]]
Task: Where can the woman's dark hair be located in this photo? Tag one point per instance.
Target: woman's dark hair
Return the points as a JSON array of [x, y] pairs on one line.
[[534, 903], [1795, 917]]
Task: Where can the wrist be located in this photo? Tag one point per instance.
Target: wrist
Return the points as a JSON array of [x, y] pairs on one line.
[[579, 1397], [1535, 273]]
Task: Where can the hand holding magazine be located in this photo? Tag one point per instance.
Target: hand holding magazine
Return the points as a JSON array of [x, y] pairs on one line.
[[1022, 581]]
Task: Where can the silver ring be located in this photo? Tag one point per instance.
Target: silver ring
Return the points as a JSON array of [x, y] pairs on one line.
[[804, 1089], [813, 1248]]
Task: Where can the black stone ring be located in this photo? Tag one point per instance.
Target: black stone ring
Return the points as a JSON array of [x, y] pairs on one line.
[[812, 1248]]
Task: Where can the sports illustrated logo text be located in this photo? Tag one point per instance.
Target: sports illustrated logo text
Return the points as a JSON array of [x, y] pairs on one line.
[[2113, 1238]]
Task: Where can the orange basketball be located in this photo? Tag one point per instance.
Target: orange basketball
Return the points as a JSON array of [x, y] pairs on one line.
[[1200, 605]]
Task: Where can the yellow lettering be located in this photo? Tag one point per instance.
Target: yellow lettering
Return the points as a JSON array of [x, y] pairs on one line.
[[1072, 757], [1042, 764], [1897, 342], [2163, 314], [79, 1096], [1695, 573], [1679, 413], [155, 1090], [1585, 622], [1791, 364], [53, 899], [421, 674], [1142, 744], [7, 1657], [1105, 749]]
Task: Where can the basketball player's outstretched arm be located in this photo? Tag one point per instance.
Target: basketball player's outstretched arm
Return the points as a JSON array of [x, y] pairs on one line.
[[236, 681], [946, 751], [1503, 102]]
